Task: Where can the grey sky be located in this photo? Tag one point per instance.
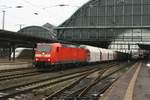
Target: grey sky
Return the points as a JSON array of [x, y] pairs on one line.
[[46, 9]]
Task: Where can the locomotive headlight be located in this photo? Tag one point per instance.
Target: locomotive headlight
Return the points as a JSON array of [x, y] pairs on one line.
[[49, 59], [36, 59]]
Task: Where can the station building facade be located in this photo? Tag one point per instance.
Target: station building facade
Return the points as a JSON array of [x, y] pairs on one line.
[[119, 24]]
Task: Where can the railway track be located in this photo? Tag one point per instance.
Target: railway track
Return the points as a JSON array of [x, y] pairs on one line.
[[16, 69], [80, 90], [7, 73], [69, 84], [97, 90], [18, 73], [9, 77], [22, 89], [11, 91], [78, 84], [81, 87]]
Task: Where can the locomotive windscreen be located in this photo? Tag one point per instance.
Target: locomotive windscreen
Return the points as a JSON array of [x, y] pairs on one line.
[[45, 48]]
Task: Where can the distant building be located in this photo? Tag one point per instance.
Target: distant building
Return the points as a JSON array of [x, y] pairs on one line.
[[38, 31]]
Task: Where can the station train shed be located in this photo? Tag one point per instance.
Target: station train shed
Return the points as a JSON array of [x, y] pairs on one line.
[[114, 24]]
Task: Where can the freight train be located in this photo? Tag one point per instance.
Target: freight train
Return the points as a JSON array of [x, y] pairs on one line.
[[59, 54]]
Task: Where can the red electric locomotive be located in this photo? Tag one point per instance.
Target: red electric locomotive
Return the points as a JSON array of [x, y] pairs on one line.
[[56, 53]]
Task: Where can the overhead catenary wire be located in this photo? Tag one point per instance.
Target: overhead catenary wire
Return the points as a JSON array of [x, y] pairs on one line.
[[28, 2]]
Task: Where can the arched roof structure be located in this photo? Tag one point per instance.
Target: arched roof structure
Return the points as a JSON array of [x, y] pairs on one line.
[[99, 22], [38, 31]]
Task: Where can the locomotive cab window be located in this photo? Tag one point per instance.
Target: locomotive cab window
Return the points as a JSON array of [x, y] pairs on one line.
[[45, 48]]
